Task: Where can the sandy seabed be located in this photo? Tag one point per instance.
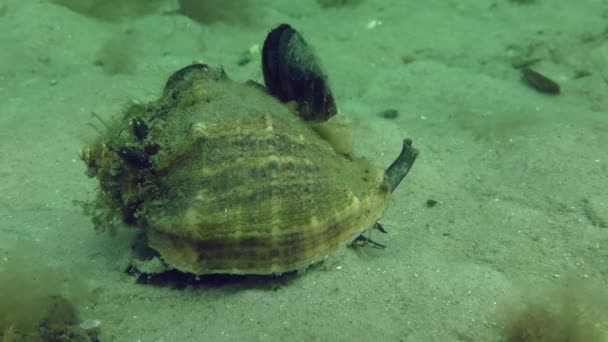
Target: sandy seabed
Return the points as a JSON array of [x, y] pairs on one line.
[[520, 178]]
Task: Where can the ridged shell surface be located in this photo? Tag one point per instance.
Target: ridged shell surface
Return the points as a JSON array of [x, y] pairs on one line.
[[241, 184]]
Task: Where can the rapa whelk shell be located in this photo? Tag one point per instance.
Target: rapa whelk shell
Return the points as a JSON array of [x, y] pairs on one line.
[[227, 179]]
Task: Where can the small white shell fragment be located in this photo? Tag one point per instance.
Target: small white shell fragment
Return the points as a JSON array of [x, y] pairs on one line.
[[373, 23], [90, 324], [255, 49]]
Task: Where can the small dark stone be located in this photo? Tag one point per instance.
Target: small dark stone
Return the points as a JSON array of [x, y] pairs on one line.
[[540, 82], [407, 59], [389, 114], [582, 73], [431, 203]]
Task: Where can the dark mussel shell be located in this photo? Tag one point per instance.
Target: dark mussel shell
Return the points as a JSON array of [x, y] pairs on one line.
[[135, 157], [292, 73], [140, 128]]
